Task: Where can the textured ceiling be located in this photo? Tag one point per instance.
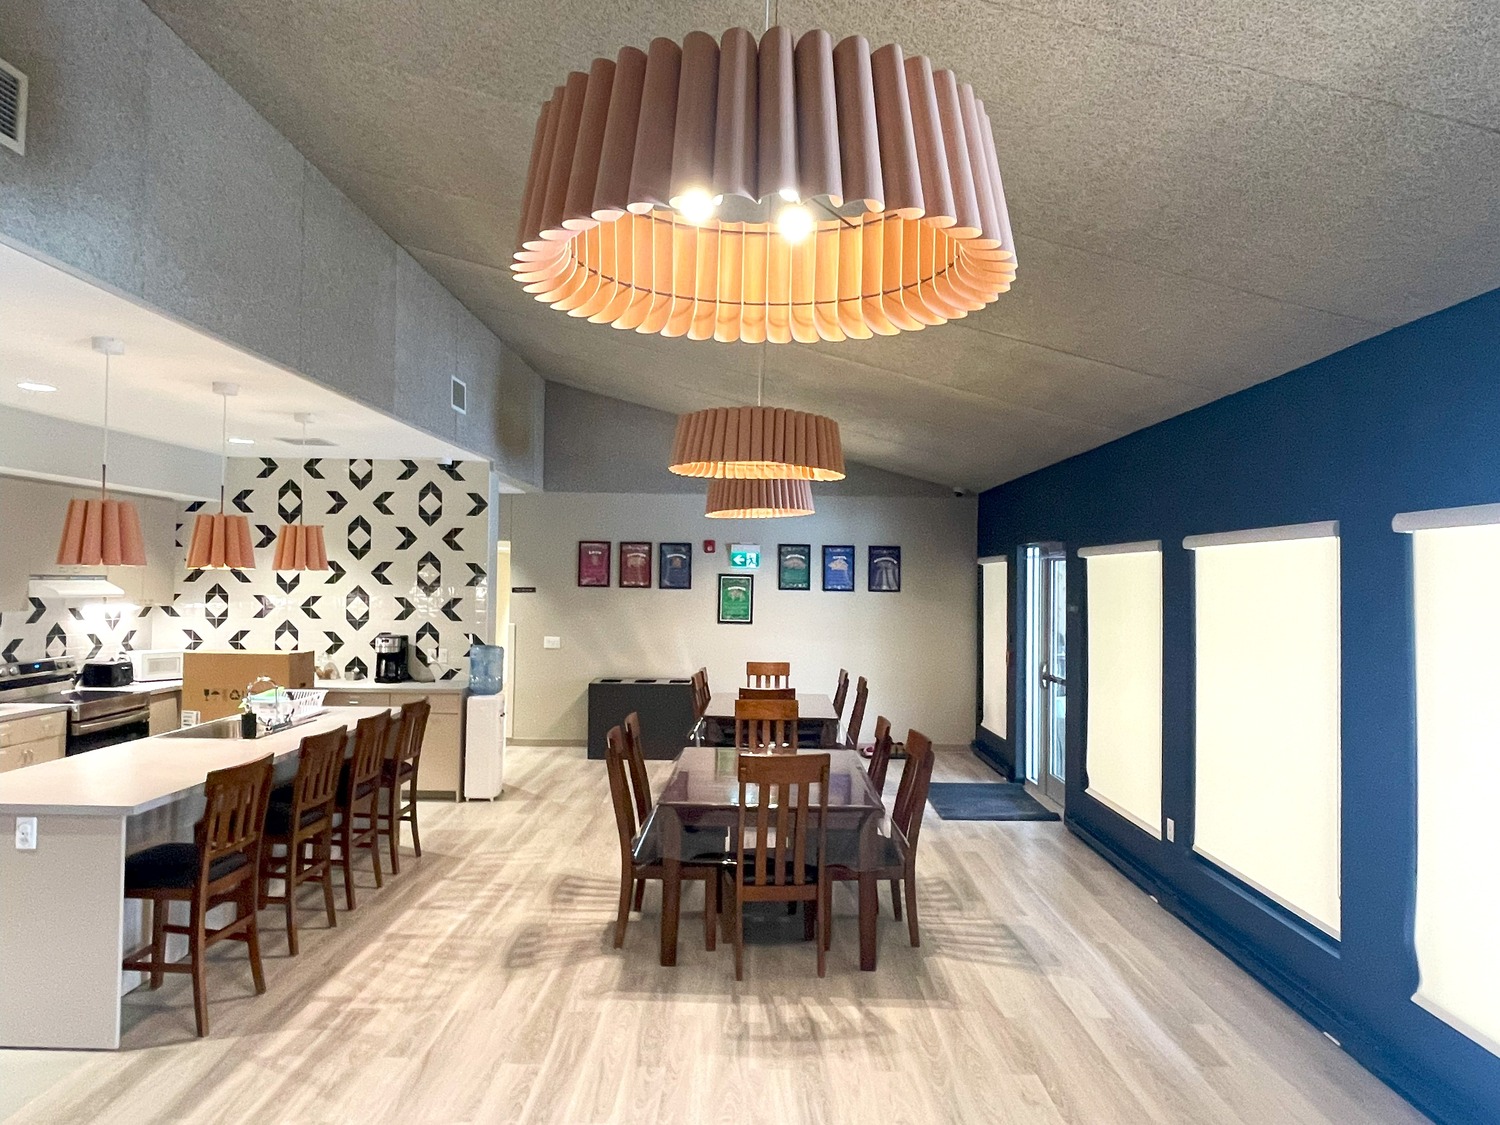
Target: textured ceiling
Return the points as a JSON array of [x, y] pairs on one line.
[[1205, 194]]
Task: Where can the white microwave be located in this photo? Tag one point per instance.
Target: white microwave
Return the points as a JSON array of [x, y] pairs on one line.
[[156, 664]]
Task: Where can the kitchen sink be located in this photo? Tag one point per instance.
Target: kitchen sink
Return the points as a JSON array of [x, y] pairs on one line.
[[228, 728]]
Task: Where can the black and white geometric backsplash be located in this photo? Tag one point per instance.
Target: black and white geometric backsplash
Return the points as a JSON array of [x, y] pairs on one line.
[[407, 552]]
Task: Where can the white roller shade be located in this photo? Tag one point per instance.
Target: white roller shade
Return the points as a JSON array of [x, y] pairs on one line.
[[995, 578], [1123, 747], [1456, 603], [1267, 749]]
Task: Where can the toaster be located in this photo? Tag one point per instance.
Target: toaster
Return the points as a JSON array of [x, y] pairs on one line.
[[112, 673]]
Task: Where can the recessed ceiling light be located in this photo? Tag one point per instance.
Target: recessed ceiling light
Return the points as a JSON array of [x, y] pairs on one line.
[[36, 388], [242, 441]]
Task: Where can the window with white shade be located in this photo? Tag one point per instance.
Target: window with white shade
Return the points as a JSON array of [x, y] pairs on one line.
[[1456, 614], [1267, 731], [994, 667], [1123, 744]]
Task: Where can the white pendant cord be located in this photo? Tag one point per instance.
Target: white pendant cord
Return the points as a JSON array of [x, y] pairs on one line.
[[760, 378], [104, 460], [224, 455], [302, 488]]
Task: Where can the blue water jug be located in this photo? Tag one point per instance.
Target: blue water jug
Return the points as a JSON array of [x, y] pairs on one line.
[[486, 669]]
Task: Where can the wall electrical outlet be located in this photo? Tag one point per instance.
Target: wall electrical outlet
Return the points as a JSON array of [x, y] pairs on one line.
[[25, 833], [552, 642], [1171, 830]]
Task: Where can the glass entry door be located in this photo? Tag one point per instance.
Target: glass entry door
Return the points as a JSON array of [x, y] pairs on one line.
[[1045, 680]]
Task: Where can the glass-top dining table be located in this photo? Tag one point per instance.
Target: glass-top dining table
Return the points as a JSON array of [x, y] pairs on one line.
[[698, 810]]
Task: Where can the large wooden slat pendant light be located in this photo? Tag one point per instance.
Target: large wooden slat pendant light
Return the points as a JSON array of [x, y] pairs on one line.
[[299, 545], [735, 190], [221, 541], [102, 532], [758, 498]]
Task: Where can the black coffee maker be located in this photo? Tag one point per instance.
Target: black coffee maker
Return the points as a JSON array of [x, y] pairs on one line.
[[390, 658]]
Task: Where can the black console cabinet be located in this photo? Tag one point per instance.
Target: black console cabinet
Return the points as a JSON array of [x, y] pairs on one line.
[[665, 707]]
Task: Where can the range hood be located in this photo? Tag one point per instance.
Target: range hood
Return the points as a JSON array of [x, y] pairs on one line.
[[72, 586]]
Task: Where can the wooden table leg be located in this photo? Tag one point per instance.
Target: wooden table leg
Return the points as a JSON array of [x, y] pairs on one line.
[[869, 906], [671, 907]]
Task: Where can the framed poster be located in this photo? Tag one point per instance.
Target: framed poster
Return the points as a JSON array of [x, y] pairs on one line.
[[884, 575], [635, 566], [674, 566], [794, 566], [838, 568], [593, 562], [736, 599]]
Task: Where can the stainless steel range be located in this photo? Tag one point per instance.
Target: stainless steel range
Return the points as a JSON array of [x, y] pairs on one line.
[[96, 716]]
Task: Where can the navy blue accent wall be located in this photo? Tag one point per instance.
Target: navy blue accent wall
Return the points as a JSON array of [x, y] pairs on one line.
[[1404, 422]]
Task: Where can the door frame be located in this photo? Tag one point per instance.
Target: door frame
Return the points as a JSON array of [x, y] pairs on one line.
[[1047, 784]]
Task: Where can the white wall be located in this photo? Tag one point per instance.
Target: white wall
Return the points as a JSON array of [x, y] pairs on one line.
[[917, 648]]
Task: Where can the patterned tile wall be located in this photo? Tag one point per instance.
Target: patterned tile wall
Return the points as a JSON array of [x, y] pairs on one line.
[[52, 627]]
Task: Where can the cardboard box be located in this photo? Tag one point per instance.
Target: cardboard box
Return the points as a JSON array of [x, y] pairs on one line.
[[213, 683]]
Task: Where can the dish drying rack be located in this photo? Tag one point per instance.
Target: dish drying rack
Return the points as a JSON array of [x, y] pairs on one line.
[[277, 708]]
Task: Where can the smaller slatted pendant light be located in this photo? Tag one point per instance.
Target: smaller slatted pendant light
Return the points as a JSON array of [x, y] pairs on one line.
[[299, 546], [102, 532], [221, 541], [757, 442], [758, 499]]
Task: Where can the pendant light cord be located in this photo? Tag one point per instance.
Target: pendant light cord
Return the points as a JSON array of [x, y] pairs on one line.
[[104, 460], [302, 488], [224, 454]]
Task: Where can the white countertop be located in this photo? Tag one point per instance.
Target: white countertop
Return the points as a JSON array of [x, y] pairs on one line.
[[455, 685], [134, 777], [141, 687], [22, 710]]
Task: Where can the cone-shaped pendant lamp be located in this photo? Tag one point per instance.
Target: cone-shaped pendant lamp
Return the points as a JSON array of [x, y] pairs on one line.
[[299, 546], [102, 532], [758, 499], [221, 541]]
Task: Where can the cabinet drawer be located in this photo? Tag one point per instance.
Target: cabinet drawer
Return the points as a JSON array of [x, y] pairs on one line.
[[32, 728], [20, 754], [357, 699], [442, 702]]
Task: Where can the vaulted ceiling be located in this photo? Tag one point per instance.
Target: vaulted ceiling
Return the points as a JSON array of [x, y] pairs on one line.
[[1205, 194]]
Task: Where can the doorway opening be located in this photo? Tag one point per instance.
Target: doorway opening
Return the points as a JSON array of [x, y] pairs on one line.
[[1044, 681]]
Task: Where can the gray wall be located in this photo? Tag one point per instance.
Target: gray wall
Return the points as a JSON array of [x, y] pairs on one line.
[[600, 444], [146, 172], [47, 448]]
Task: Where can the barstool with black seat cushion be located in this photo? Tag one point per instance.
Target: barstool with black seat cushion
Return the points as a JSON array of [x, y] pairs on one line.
[[359, 796], [221, 865], [301, 824], [399, 771]]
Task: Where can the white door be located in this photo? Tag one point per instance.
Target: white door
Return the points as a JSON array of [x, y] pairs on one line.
[[1045, 683]]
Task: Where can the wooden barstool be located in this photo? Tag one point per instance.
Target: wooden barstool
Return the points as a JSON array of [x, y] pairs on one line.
[[399, 769], [358, 805], [301, 824], [221, 865]]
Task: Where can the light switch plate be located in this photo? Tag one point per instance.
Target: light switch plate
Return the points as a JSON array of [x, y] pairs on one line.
[[1171, 830], [552, 642], [25, 833]]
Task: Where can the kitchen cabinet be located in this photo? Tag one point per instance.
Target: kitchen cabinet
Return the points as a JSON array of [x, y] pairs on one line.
[[166, 711], [32, 739], [442, 769]]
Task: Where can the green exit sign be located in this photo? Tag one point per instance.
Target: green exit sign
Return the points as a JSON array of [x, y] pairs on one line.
[[744, 556]]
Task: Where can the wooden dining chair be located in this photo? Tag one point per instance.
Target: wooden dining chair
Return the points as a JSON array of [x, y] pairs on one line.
[[772, 860], [768, 673], [640, 784], [399, 772], [633, 874], [301, 825], [840, 694], [376, 738], [906, 816], [857, 715], [220, 866], [768, 693], [766, 725], [880, 756]]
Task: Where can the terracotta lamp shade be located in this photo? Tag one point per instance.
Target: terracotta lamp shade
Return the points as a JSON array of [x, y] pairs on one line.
[[758, 499], [299, 546], [660, 180], [101, 533], [757, 442], [220, 542]]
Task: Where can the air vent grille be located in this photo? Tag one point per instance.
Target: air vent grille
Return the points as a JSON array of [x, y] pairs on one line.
[[12, 108], [305, 441], [460, 395]]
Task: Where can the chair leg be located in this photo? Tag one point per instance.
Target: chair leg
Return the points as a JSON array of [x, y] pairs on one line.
[[896, 898], [640, 896], [252, 938], [416, 839], [622, 916], [196, 944], [375, 859], [325, 858], [911, 910], [823, 912], [809, 920], [394, 823], [293, 862], [159, 908], [739, 935], [346, 858], [710, 913]]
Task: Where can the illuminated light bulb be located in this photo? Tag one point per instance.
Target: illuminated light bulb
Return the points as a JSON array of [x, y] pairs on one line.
[[695, 206], [794, 223], [790, 195]]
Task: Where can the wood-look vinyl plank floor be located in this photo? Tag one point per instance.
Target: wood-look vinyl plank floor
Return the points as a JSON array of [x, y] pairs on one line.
[[480, 986]]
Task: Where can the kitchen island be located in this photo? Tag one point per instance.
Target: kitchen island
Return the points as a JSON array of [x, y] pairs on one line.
[[64, 921]]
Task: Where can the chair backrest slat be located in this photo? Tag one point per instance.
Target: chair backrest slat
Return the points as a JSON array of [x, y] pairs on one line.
[[765, 724], [700, 693], [785, 783], [841, 693], [635, 758], [234, 809], [768, 673], [880, 759], [319, 760], [857, 716], [916, 779], [768, 693]]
